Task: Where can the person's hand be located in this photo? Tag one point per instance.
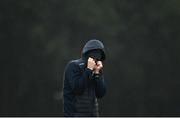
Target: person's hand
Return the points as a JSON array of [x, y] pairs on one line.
[[98, 67], [91, 63]]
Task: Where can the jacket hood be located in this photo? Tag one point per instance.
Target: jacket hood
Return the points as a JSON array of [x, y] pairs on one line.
[[93, 45]]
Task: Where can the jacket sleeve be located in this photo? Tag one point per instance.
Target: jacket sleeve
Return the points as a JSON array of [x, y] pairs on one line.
[[100, 87], [75, 78]]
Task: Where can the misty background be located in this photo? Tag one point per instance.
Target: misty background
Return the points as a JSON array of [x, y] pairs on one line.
[[142, 39]]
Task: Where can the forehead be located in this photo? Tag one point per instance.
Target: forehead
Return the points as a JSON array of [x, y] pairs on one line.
[[95, 51]]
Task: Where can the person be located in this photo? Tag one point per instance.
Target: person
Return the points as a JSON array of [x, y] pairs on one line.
[[84, 81]]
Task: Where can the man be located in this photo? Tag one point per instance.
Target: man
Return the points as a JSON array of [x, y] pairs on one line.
[[84, 81]]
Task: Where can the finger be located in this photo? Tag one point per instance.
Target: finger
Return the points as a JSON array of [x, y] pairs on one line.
[[100, 65], [99, 62], [91, 59]]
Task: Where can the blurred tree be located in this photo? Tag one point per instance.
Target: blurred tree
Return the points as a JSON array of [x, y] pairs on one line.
[[142, 42]]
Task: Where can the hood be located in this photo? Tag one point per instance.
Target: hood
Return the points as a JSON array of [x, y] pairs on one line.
[[92, 45]]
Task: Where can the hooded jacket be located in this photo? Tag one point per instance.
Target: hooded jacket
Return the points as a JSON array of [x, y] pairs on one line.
[[81, 87]]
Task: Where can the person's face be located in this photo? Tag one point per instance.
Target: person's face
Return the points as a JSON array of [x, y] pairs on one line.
[[95, 54]]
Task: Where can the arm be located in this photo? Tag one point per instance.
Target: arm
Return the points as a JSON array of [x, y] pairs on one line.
[[98, 76], [100, 87], [76, 80]]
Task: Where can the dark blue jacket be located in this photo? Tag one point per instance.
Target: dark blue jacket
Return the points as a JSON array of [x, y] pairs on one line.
[[81, 87]]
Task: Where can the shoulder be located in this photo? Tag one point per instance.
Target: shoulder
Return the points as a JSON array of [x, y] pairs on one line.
[[75, 63]]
